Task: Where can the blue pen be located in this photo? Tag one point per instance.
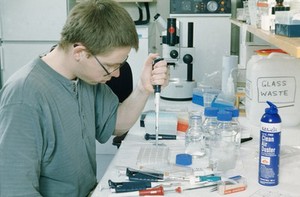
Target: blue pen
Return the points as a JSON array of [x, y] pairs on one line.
[[207, 178], [235, 178], [210, 178]]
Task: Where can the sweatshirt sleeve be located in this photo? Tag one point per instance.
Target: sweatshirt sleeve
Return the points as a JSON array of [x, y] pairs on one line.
[[20, 151], [106, 113]]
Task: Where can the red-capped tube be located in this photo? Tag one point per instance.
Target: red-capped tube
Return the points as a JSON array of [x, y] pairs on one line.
[[155, 191], [178, 190]]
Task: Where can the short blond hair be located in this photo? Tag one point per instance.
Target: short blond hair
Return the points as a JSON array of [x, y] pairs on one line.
[[100, 25]]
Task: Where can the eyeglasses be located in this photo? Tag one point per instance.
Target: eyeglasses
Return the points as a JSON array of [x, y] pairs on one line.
[[105, 69]]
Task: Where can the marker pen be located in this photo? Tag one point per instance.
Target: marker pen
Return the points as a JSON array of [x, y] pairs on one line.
[[160, 137]]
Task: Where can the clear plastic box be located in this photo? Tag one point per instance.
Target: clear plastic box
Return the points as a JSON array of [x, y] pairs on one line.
[[287, 17]]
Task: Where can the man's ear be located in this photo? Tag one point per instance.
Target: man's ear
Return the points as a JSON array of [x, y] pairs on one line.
[[78, 51]]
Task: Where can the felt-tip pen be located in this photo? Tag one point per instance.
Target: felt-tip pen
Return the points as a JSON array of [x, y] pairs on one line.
[[160, 137], [246, 139]]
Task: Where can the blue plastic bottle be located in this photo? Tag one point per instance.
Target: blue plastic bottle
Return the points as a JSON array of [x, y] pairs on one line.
[[269, 147]]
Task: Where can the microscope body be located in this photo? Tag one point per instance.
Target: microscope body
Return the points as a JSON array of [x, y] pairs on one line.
[[180, 60]]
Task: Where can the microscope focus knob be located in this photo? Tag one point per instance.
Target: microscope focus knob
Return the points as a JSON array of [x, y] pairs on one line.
[[188, 59], [174, 54]]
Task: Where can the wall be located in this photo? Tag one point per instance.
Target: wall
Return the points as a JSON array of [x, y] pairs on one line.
[[162, 7], [132, 8]]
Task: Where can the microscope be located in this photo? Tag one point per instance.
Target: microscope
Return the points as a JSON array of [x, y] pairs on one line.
[[180, 60]]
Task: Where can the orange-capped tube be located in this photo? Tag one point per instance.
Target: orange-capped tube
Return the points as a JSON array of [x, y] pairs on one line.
[[154, 191], [182, 125]]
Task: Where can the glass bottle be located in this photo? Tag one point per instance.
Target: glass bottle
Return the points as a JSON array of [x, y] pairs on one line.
[[262, 11], [236, 124], [223, 153], [194, 137], [209, 123]]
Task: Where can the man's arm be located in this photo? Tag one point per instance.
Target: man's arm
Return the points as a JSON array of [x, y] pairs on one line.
[[131, 108], [19, 163]]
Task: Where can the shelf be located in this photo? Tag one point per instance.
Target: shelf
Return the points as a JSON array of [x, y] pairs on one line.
[[127, 1], [290, 45]]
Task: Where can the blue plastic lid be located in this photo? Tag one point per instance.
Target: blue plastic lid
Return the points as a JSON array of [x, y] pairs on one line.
[[235, 111], [184, 159], [271, 114], [224, 116], [272, 109], [211, 111]]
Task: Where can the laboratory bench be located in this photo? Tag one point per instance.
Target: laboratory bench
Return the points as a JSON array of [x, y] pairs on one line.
[[246, 166]]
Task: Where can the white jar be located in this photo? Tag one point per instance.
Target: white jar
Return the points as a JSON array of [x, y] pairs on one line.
[[274, 78]]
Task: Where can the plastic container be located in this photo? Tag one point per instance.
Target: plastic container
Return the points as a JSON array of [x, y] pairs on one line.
[[168, 123], [253, 12], [269, 147], [223, 101], [199, 93], [229, 67], [275, 78], [288, 17], [262, 10]]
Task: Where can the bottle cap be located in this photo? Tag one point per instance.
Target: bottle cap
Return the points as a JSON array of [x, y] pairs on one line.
[[272, 109], [211, 111], [184, 159], [234, 111], [271, 114], [224, 116]]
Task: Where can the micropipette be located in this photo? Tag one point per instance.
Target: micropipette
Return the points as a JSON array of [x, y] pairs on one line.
[[157, 89]]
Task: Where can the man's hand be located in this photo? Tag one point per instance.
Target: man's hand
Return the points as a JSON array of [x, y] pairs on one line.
[[153, 75]]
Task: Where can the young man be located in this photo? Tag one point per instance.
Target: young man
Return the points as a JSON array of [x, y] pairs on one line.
[[53, 108]]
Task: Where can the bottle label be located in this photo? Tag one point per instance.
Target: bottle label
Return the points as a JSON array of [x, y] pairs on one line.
[[269, 153]]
